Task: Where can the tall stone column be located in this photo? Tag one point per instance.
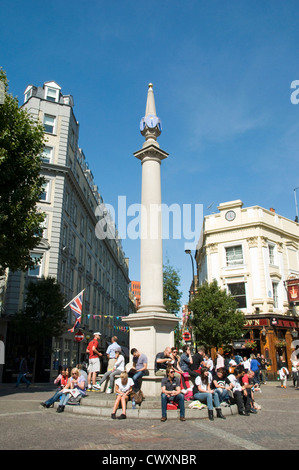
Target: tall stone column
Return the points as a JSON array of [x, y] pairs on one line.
[[152, 327]]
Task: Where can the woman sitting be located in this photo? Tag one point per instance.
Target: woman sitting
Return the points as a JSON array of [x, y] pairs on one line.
[[123, 388], [61, 380], [76, 386], [204, 393]]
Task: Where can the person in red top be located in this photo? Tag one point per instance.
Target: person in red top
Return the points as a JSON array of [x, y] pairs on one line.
[[94, 362], [248, 384]]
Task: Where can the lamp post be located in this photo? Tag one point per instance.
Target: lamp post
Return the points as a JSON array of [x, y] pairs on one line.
[[188, 252], [296, 219]]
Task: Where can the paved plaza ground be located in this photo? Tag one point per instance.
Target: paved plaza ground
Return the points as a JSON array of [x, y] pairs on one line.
[[25, 425]]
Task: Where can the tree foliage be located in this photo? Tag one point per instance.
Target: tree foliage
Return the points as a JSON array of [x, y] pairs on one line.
[[21, 144], [44, 312], [216, 318], [171, 293]]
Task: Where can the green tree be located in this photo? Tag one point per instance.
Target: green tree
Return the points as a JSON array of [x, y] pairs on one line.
[[171, 293], [43, 315], [216, 319], [44, 310], [21, 144]]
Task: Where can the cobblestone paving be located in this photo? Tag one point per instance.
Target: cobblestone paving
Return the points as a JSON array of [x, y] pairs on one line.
[[27, 426]]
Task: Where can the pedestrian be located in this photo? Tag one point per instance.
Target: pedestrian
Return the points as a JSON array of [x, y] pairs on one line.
[[219, 361], [111, 352], [249, 386], [238, 358], [23, 371], [62, 380], [197, 359], [264, 373], [94, 362], [186, 361], [234, 382], [82, 372], [118, 368], [295, 372], [176, 365], [139, 366], [75, 387], [204, 393], [162, 361], [255, 367], [245, 363], [171, 392], [123, 388], [283, 372], [218, 384]]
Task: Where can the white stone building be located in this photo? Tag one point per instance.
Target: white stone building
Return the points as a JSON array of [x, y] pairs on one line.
[[252, 252]]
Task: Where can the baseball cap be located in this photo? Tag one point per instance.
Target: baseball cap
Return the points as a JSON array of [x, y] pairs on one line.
[[97, 333]]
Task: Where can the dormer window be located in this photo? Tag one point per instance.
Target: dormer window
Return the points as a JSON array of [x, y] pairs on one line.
[[52, 90], [28, 93], [51, 94]]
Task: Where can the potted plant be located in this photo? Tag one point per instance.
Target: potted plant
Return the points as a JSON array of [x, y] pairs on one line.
[[250, 344], [281, 343]]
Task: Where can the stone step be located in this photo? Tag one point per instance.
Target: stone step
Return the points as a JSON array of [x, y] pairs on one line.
[[101, 404]]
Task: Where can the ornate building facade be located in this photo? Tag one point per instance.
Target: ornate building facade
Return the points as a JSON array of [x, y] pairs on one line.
[[253, 253]]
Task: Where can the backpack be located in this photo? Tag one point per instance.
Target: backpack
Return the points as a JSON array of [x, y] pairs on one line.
[[139, 397]]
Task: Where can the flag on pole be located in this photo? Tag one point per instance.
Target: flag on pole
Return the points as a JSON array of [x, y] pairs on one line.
[[76, 307]]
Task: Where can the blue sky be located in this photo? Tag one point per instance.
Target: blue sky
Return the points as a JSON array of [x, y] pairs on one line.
[[222, 73]]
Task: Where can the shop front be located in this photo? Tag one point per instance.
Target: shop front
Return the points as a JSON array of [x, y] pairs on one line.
[[274, 337]]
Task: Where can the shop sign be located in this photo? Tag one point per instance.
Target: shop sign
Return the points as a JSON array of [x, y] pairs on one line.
[[256, 322], [293, 291]]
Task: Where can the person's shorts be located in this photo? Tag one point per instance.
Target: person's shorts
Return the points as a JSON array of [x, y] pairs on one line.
[[94, 365]]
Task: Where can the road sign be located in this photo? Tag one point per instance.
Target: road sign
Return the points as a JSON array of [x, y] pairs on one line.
[[186, 336], [79, 336]]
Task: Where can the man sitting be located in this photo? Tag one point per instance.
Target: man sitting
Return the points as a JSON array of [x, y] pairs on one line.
[[162, 361], [140, 367], [171, 392], [242, 399]]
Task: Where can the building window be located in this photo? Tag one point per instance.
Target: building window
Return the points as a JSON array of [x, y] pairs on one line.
[[49, 123], [82, 225], [73, 246], [238, 291], [67, 202], [36, 271], [234, 255], [88, 264], [62, 272], [81, 254], [275, 294], [28, 95], [271, 254], [47, 155], [64, 236], [51, 94], [45, 195]]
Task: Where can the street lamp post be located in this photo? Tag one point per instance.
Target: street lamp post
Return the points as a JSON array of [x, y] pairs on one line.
[[296, 219], [188, 252]]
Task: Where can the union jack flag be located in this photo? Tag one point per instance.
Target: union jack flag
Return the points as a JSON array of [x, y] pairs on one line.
[[76, 307]]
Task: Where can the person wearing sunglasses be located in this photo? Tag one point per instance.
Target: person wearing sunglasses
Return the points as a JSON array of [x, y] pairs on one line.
[[171, 393]]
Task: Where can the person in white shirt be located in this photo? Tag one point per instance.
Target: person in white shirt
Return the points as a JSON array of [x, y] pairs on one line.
[[246, 363], [295, 372], [240, 397], [123, 388], [204, 393], [118, 368]]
